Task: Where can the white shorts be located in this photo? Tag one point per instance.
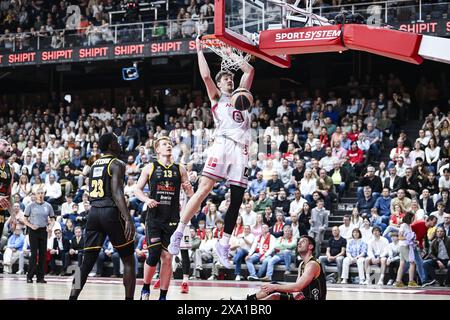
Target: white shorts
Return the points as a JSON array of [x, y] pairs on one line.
[[227, 160]]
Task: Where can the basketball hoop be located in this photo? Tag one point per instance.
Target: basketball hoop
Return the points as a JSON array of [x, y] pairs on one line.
[[232, 58]]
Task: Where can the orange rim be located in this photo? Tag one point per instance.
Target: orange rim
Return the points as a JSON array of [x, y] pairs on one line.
[[209, 36], [212, 41]]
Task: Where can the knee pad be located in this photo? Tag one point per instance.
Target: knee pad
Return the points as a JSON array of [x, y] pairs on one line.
[[154, 254]]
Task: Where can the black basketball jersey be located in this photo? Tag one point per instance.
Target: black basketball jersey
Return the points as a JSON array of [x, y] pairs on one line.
[[5, 179], [317, 289], [165, 185], [100, 178]]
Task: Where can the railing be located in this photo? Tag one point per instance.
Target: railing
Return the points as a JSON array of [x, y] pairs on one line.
[[97, 35], [391, 12]]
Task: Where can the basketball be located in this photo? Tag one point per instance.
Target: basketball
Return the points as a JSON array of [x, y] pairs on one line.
[[241, 99]]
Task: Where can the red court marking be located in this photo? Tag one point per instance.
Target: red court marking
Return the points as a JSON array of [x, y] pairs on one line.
[[231, 284], [440, 292], [28, 298]]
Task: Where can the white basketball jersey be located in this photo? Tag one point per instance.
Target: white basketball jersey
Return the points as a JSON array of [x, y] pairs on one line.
[[230, 122]]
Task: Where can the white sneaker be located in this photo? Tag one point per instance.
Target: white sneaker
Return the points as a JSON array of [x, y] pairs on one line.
[[390, 282], [20, 272], [364, 282], [380, 282], [222, 254], [428, 283], [344, 281], [175, 240], [238, 278], [92, 274], [212, 277], [156, 275]]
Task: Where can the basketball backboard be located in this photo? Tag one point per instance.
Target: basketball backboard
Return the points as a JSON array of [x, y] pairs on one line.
[[263, 29], [239, 22]]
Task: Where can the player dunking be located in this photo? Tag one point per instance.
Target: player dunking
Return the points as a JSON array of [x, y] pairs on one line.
[[165, 180], [109, 215], [6, 183], [310, 284], [227, 157]]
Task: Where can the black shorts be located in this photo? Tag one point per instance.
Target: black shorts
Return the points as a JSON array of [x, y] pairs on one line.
[[107, 221], [159, 232]]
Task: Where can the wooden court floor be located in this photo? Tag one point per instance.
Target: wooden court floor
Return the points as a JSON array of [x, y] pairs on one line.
[[14, 287]]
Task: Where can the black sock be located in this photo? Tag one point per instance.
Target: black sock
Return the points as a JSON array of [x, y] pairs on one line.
[[146, 286], [236, 195], [162, 293], [251, 297]]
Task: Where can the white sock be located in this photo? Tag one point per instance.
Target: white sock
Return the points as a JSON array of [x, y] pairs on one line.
[[181, 226], [185, 278], [225, 239]]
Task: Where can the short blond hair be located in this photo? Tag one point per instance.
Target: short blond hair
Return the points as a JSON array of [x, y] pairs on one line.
[[156, 143]]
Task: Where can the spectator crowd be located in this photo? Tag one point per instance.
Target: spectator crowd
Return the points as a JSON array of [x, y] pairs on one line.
[[309, 152], [29, 25]]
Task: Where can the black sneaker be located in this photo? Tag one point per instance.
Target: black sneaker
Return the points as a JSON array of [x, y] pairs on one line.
[[41, 281], [29, 280], [428, 283]]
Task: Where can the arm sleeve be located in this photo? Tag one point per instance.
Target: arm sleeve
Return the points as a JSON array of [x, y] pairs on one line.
[[253, 248], [27, 211], [51, 213]]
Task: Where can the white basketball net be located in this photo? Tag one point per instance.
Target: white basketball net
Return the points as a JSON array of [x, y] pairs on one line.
[[232, 58]]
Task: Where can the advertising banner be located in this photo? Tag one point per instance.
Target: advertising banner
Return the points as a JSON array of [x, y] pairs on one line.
[[98, 53]]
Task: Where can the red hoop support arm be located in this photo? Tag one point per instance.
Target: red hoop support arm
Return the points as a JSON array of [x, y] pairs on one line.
[[302, 40], [390, 43], [394, 44]]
